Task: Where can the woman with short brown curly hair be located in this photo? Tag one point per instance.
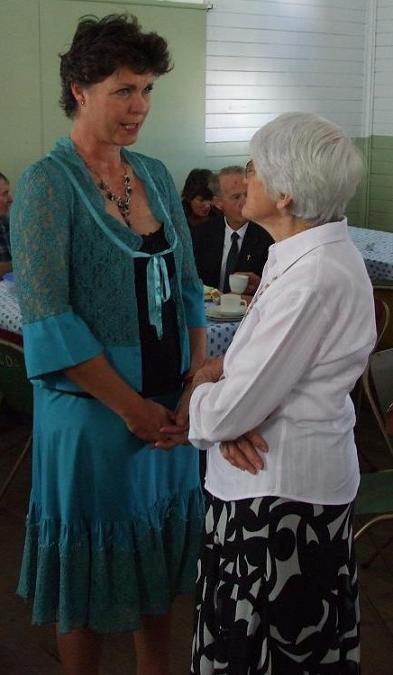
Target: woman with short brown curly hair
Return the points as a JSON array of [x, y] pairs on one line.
[[113, 329]]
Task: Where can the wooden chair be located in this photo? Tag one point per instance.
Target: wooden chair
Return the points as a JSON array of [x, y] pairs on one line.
[[384, 292], [17, 392], [375, 496], [377, 384], [382, 320]]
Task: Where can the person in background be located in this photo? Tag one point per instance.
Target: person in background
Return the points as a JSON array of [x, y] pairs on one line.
[[5, 204], [113, 331], [277, 581], [197, 197], [229, 242]]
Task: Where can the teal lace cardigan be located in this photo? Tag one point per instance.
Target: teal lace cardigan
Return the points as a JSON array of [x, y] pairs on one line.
[[74, 268]]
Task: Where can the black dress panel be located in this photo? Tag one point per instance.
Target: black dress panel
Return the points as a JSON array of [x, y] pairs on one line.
[[161, 364]]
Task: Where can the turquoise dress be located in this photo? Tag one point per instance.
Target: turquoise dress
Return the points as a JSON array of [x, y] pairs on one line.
[[113, 530]]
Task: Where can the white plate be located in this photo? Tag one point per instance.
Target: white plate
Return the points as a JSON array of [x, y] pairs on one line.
[[214, 312]]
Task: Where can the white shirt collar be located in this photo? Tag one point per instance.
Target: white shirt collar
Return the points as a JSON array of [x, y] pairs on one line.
[[240, 232], [285, 253]]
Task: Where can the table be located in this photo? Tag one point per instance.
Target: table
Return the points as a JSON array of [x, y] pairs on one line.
[[376, 248], [10, 318], [220, 336]]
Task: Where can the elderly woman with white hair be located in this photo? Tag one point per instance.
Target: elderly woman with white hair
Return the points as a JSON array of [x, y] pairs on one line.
[[277, 584]]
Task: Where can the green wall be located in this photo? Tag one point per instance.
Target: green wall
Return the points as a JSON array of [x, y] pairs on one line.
[[33, 32], [372, 206], [357, 208], [380, 211]]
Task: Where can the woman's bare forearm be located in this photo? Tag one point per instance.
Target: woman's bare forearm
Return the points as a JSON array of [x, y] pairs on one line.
[[197, 347], [97, 377]]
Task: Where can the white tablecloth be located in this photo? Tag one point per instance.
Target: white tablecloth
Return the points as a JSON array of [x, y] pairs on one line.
[[10, 317], [219, 337], [376, 248]]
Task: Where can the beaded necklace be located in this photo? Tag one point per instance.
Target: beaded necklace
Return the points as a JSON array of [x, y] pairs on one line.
[[123, 201]]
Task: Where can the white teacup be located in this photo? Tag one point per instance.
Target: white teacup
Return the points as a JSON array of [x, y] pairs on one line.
[[231, 303], [238, 282]]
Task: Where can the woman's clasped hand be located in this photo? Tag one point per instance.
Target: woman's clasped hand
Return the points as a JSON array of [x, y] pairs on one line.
[[243, 453]]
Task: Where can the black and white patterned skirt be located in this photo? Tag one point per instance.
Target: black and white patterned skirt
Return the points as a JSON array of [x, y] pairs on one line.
[[277, 590]]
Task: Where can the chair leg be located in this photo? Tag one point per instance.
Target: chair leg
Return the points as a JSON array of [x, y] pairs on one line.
[[380, 422], [377, 519], [16, 466]]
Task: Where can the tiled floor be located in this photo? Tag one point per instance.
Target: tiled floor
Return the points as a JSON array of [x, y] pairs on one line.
[[25, 650]]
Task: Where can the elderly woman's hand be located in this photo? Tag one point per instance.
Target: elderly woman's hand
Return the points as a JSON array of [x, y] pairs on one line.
[[177, 432], [211, 371], [243, 452]]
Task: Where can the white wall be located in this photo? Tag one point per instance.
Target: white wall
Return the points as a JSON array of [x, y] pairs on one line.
[[270, 56], [383, 85]]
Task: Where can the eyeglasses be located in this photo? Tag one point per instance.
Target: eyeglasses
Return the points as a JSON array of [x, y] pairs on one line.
[[249, 169]]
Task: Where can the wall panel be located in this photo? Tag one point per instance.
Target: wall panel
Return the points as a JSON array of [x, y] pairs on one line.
[[33, 34], [380, 214], [265, 57], [20, 86]]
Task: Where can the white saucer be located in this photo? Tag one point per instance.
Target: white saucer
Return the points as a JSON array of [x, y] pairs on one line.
[[215, 312]]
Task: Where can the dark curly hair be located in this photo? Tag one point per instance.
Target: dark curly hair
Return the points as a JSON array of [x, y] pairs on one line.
[[197, 185], [101, 46]]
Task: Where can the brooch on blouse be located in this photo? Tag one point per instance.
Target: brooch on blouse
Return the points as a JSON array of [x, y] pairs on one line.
[[257, 295]]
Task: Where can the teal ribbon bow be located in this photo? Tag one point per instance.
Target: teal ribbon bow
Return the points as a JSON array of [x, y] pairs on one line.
[[158, 290], [157, 282]]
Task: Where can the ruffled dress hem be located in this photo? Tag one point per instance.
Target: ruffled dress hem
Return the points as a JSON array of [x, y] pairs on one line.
[[106, 575]]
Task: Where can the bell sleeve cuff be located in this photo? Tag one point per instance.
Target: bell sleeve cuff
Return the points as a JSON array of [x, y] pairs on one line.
[[56, 343], [194, 305]]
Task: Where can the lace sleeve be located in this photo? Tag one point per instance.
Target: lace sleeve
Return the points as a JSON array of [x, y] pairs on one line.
[[55, 337], [40, 239]]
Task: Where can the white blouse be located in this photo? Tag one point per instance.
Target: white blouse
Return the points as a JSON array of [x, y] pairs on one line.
[[288, 372]]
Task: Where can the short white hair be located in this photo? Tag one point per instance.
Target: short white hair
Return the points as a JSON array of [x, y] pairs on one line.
[[312, 160]]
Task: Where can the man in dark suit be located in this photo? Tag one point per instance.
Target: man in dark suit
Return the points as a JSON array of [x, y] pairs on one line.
[[227, 242]]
